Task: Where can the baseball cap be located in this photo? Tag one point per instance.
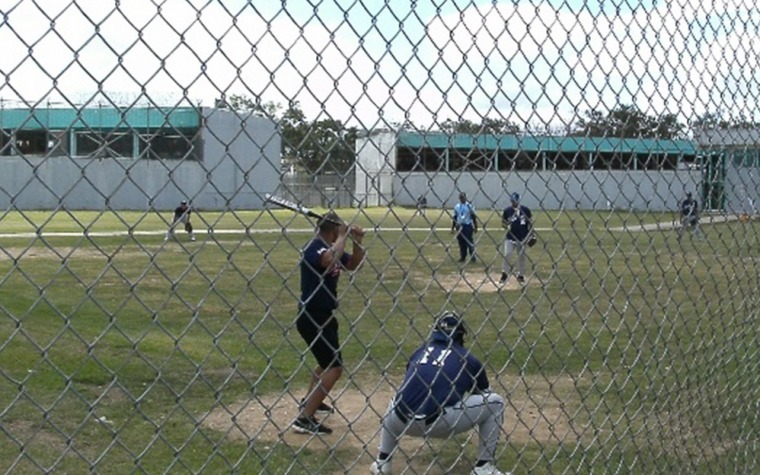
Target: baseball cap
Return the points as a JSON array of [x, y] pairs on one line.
[[450, 325], [183, 202], [515, 197]]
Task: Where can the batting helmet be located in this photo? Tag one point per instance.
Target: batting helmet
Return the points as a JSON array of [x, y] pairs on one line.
[[450, 325]]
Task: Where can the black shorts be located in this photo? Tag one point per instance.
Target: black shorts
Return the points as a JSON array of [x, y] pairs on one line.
[[319, 329]]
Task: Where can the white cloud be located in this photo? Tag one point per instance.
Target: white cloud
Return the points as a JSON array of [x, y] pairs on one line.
[[529, 63]]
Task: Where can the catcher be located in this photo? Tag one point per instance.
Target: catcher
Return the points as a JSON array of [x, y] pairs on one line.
[[445, 392], [518, 220], [181, 215]]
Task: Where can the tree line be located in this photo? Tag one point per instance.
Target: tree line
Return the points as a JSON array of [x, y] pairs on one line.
[[327, 145]]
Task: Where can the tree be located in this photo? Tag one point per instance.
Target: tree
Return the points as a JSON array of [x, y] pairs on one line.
[[628, 122], [715, 120], [487, 126], [318, 147]]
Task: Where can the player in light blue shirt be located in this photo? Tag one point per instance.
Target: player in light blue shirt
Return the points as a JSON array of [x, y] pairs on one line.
[[465, 223]]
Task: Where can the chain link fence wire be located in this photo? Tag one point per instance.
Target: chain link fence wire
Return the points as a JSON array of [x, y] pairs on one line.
[[630, 347]]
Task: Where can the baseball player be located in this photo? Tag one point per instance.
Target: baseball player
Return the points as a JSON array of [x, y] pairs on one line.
[[445, 392], [517, 219], [465, 224], [322, 260], [689, 216], [181, 215]]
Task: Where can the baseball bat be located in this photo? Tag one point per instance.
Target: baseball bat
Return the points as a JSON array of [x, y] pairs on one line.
[[293, 206]]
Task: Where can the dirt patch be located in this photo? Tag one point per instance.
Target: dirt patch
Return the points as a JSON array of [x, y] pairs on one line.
[[478, 281], [535, 414], [34, 436]]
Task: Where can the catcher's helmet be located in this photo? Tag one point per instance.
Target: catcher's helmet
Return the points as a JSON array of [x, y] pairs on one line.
[[452, 326]]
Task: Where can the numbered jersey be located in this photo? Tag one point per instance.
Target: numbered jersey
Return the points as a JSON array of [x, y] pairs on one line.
[[519, 220], [439, 375]]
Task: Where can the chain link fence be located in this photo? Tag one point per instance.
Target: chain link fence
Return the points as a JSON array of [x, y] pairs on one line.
[[630, 345]]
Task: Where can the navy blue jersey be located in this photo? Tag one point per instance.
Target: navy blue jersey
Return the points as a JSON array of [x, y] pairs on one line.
[[519, 220], [181, 211], [439, 375], [689, 208], [319, 285]]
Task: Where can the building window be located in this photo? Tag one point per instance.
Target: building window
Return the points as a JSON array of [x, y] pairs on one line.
[[419, 160], [518, 160], [97, 144], [566, 161], [169, 145], [471, 160], [28, 142]]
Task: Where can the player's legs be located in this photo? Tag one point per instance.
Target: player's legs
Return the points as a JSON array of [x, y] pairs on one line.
[[520, 259], [189, 229], [485, 411], [320, 331], [390, 432], [469, 240], [682, 228], [170, 232], [695, 227], [509, 248], [462, 244]]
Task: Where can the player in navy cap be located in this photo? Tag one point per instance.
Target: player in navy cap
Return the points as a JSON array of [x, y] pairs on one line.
[[518, 220], [181, 216], [689, 216], [445, 392]]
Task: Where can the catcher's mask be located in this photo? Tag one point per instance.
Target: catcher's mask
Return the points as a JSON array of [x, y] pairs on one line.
[[451, 326]]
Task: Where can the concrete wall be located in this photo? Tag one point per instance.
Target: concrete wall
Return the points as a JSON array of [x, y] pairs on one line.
[[377, 184], [375, 170], [638, 190], [742, 186], [742, 189], [241, 162]]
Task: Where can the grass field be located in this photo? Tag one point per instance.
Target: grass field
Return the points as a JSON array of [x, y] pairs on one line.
[[628, 351]]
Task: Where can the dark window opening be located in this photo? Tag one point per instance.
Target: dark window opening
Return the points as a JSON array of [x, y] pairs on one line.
[[420, 159], [94, 144], [30, 142], [518, 160], [168, 145], [470, 160]]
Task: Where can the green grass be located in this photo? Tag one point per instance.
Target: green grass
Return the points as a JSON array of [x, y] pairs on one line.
[[656, 341]]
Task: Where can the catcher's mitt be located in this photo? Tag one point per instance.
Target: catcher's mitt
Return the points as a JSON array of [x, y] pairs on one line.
[[532, 241]]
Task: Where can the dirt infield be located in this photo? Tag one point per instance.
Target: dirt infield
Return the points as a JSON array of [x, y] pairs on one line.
[[536, 413]]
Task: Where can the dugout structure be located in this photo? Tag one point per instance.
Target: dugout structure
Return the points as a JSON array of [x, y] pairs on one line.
[[394, 167], [731, 169], [136, 158]]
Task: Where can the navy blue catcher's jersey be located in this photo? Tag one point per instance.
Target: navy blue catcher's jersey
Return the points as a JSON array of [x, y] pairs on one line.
[[319, 285], [689, 207], [519, 222], [439, 374]]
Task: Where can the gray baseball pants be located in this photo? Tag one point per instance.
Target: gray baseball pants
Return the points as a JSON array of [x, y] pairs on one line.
[[484, 411], [511, 247]]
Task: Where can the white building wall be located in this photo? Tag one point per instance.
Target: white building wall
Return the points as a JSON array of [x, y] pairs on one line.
[[588, 190], [585, 189], [241, 162], [742, 183], [375, 167]]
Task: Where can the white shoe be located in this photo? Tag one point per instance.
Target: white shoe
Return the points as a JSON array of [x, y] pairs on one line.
[[192, 238], [488, 469], [381, 467]]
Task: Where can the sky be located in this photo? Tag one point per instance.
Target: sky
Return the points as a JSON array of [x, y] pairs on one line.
[[373, 63]]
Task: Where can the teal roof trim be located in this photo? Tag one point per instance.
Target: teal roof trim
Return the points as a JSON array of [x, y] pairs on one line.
[[100, 118], [546, 144]]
